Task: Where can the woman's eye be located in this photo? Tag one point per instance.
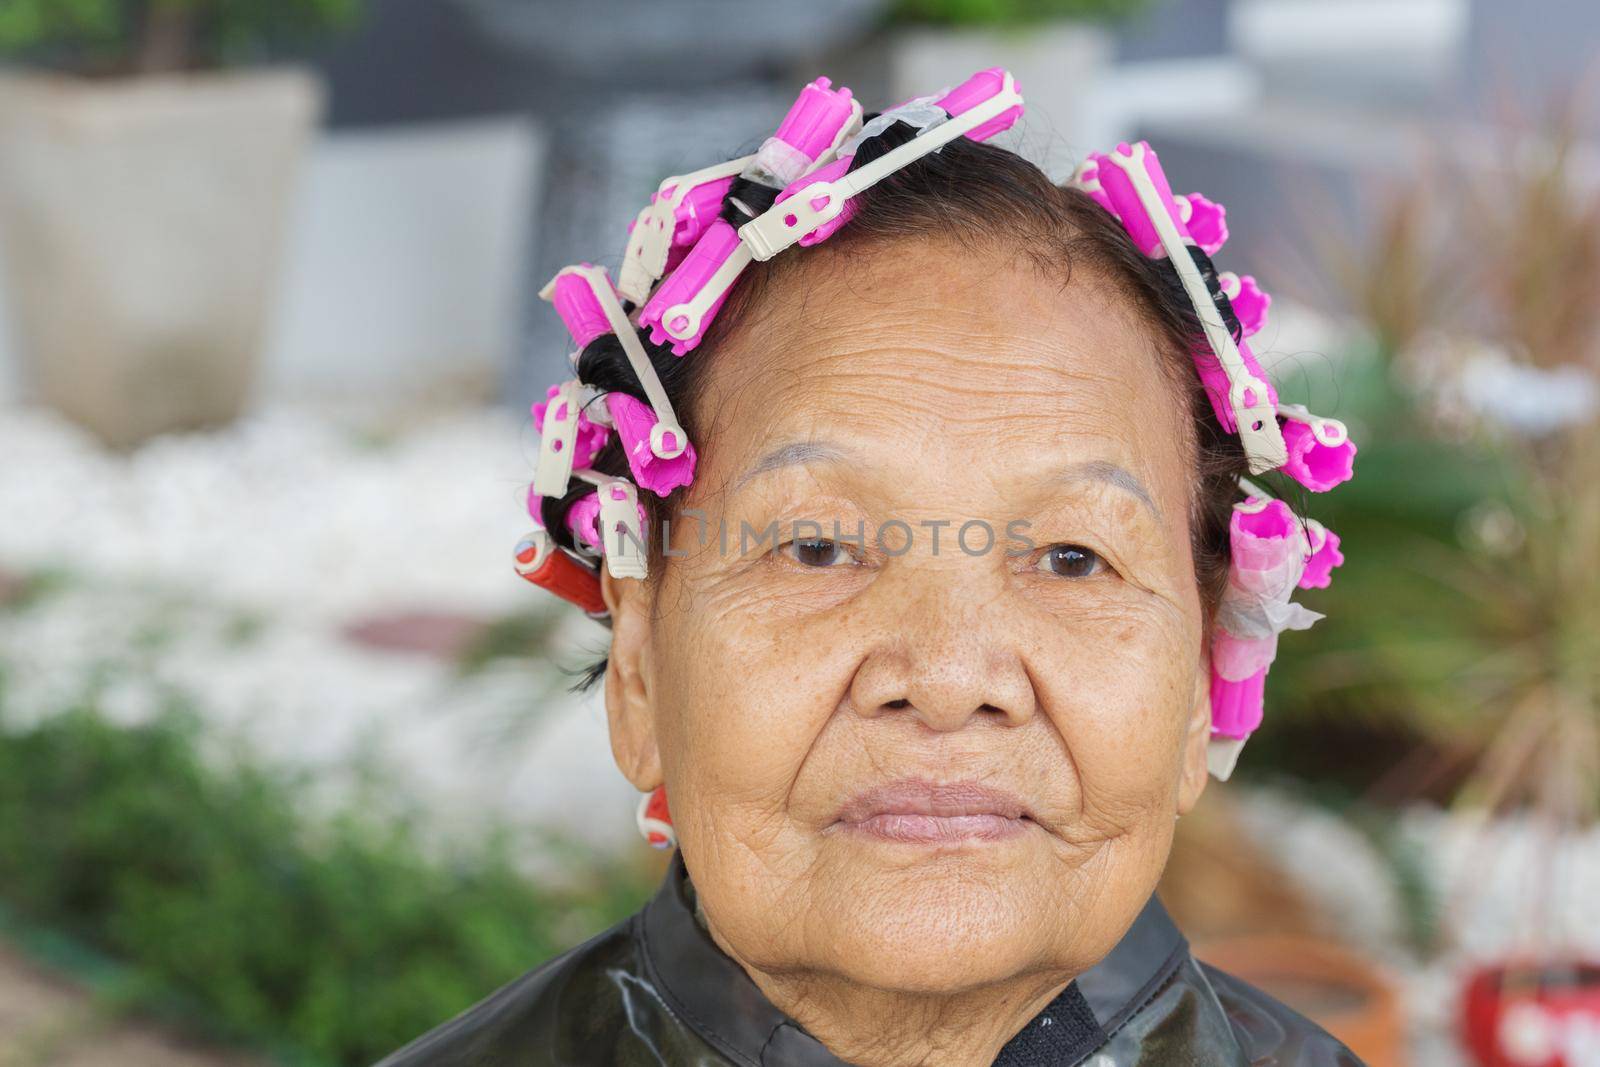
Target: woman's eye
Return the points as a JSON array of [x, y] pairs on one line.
[[817, 552], [1071, 561]]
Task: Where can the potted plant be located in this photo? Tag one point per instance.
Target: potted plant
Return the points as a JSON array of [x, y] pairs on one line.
[[1474, 606], [143, 198], [1057, 49]]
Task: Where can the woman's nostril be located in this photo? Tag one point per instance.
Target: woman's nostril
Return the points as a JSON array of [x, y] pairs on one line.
[[991, 707], [898, 704]]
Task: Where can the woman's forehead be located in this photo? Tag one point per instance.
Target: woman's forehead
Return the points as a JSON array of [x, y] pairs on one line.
[[959, 356]]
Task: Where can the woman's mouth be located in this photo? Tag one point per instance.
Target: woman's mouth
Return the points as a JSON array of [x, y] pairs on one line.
[[918, 811]]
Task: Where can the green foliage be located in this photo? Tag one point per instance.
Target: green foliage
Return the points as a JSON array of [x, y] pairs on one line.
[[141, 35], [1012, 12], [1469, 606], [1399, 627], [339, 939], [29, 23], [521, 635]]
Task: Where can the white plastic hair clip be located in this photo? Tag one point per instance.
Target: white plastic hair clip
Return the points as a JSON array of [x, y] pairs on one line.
[[1250, 489], [1087, 178], [786, 222], [558, 436], [687, 202], [1330, 433], [1249, 397], [681, 310], [667, 439], [622, 530], [621, 524]]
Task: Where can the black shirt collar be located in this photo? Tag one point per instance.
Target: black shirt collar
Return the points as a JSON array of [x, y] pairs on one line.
[[714, 996]]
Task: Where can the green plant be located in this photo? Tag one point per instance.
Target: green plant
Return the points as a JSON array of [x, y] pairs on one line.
[[337, 938], [157, 36], [1471, 600], [1012, 12]]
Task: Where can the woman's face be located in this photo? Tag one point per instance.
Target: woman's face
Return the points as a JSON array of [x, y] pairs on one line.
[[927, 764]]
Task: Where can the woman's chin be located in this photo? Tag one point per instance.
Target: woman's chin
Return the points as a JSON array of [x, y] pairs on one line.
[[959, 944], [941, 918]]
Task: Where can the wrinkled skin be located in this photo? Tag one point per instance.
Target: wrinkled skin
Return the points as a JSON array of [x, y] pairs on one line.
[[924, 383]]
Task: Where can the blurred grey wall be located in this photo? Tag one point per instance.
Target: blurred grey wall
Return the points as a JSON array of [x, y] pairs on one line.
[[420, 61], [1524, 52], [584, 128]]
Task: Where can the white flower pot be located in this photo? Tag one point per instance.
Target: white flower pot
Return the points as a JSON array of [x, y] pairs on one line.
[[1057, 66], [1380, 52], [141, 226]]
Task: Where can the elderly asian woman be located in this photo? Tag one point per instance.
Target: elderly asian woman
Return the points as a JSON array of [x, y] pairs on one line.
[[915, 491]]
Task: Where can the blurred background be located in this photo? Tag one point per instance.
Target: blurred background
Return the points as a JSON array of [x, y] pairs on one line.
[[289, 768]]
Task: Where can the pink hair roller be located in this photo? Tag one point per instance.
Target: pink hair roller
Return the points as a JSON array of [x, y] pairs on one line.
[[1206, 221], [664, 440], [1219, 388], [1117, 185], [634, 421], [1263, 535], [832, 172], [684, 305], [1239, 390], [1270, 550], [1087, 178], [1325, 556], [591, 435], [678, 213], [583, 519], [1321, 454], [699, 209], [1250, 302], [579, 308], [982, 86], [814, 125], [1237, 705]]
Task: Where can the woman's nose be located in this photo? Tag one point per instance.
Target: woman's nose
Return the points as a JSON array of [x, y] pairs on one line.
[[945, 661]]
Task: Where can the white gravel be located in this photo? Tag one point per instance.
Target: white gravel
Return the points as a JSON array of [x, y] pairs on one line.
[[221, 565], [290, 509]]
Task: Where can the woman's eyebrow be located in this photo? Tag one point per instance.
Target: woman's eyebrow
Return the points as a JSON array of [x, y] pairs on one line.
[[799, 453], [1100, 470], [792, 455]]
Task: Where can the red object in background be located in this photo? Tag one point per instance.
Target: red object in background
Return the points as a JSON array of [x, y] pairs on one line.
[[444, 634], [1534, 1015]]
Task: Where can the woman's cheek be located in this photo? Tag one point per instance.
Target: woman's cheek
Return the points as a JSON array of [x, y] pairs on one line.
[[1118, 688], [746, 697]]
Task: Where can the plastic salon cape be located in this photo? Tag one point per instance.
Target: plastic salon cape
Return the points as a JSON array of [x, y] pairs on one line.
[[656, 990]]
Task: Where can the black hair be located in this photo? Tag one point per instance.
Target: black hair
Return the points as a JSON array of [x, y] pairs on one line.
[[976, 195]]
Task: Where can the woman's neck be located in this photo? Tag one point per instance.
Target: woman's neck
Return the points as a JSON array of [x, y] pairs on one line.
[[874, 1027]]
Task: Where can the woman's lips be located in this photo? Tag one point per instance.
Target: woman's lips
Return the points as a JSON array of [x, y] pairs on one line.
[[919, 811]]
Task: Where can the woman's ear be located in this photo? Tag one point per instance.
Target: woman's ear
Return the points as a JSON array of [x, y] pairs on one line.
[[630, 712], [1197, 736]]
